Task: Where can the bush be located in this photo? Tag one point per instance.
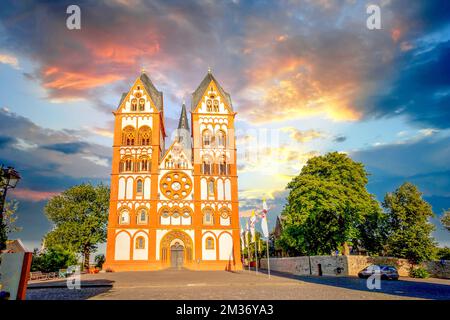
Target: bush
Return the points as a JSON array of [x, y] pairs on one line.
[[419, 273], [51, 260], [99, 260]]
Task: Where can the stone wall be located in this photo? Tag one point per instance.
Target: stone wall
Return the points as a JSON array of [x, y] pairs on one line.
[[349, 265], [439, 269]]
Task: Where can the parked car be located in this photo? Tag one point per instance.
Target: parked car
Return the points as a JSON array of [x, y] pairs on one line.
[[386, 272]]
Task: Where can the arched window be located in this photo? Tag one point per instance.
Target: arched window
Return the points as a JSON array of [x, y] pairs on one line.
[[128, 136], [142, 217], [169, 162], [223, 166], [139, 187], [225, 216], [126, 165], [209, 105], [221, 138], [224, 213], [140, 243], [124, 217], [133, 104], [145, 164], [211, 188], [216, 105], [208, 218], [145, 136], [207, 165], [207, 137], [141, 104], [209, 243]]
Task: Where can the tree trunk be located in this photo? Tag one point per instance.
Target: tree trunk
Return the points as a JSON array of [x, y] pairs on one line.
[[86, 254]]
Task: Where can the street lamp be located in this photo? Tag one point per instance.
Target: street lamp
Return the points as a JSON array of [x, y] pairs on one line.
[[8, 180]]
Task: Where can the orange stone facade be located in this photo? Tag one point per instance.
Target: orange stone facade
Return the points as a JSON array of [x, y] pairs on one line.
[[176, 206]]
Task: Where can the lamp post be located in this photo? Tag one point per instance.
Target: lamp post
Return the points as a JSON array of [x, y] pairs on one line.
[[8, 180]]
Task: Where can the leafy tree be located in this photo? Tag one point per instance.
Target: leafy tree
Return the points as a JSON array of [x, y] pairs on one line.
[[327, 204], [445, 220], [10, 216], [409, 234], [80, 215], [9, 221], [443, 253], [52, 259]]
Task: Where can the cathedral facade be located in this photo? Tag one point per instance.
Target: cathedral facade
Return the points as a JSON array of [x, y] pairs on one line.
[[177, 205]]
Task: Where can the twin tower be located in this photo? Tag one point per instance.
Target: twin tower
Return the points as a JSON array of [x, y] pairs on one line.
[[176, 206]]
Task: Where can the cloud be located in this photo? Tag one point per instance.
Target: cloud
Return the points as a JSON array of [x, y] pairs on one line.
[[339, 138], [291, 60], [32, 195], [10, 60], [67, 147], [303, 136], [6, 141], [421, 92]]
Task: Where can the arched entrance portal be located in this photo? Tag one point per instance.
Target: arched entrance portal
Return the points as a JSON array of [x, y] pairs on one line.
[[176, 249], [176, 255]]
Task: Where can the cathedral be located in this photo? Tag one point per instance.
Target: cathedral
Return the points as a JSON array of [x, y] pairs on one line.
[[174, 206]]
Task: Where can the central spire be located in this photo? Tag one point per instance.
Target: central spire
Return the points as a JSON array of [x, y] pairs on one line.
[[183, 122]]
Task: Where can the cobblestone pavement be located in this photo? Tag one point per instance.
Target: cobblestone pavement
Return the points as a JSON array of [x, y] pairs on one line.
[[183, 284]]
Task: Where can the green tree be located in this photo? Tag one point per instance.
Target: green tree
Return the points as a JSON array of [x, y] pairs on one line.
[[327, 204], [10, 216], [409, 234], [8, 224], [445, 220], [443, 253], [80, 215], [52, 259]]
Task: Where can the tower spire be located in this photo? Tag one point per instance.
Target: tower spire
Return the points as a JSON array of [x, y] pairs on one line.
[[183, 122]]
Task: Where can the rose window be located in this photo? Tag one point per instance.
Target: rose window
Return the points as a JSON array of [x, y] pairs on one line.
[[176, 185]]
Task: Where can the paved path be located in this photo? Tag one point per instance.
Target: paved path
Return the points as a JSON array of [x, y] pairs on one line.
[[173, 284]]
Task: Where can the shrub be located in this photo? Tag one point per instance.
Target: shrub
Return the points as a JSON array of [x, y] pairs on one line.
[[99, 260], [419, 273], [51, 260]]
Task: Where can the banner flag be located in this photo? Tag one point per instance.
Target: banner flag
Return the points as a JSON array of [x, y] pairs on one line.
[[242, 239], [264, 225], [252, 225]]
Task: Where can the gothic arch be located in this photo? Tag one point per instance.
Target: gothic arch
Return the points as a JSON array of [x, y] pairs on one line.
[[167, 240]]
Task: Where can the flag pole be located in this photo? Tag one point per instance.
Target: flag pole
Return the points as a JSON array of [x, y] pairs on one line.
[[268, 258], [256, 258], [248, 252]]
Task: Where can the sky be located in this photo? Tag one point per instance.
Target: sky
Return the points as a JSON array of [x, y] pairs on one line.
[[306, 78]]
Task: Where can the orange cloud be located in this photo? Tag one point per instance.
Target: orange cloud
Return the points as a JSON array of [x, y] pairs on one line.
[[73, 80], [28, 194]]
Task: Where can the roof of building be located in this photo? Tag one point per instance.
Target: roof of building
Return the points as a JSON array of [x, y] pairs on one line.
[[183, 123], [155, 95], [198, 93]]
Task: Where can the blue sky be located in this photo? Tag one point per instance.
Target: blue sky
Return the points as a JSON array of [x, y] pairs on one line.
[[306, 78]]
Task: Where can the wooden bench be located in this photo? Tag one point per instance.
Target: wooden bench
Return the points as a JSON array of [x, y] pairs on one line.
[[38, 275]]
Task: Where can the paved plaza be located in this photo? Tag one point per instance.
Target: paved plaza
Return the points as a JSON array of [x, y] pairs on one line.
[[208, 285]]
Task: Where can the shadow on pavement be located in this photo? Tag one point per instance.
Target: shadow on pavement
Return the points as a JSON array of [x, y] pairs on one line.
[[404, 288], [58, 290]]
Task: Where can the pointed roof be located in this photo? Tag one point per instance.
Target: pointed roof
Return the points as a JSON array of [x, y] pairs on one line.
[[198, 93], [124, 95], [156, 95], [183, 122]]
